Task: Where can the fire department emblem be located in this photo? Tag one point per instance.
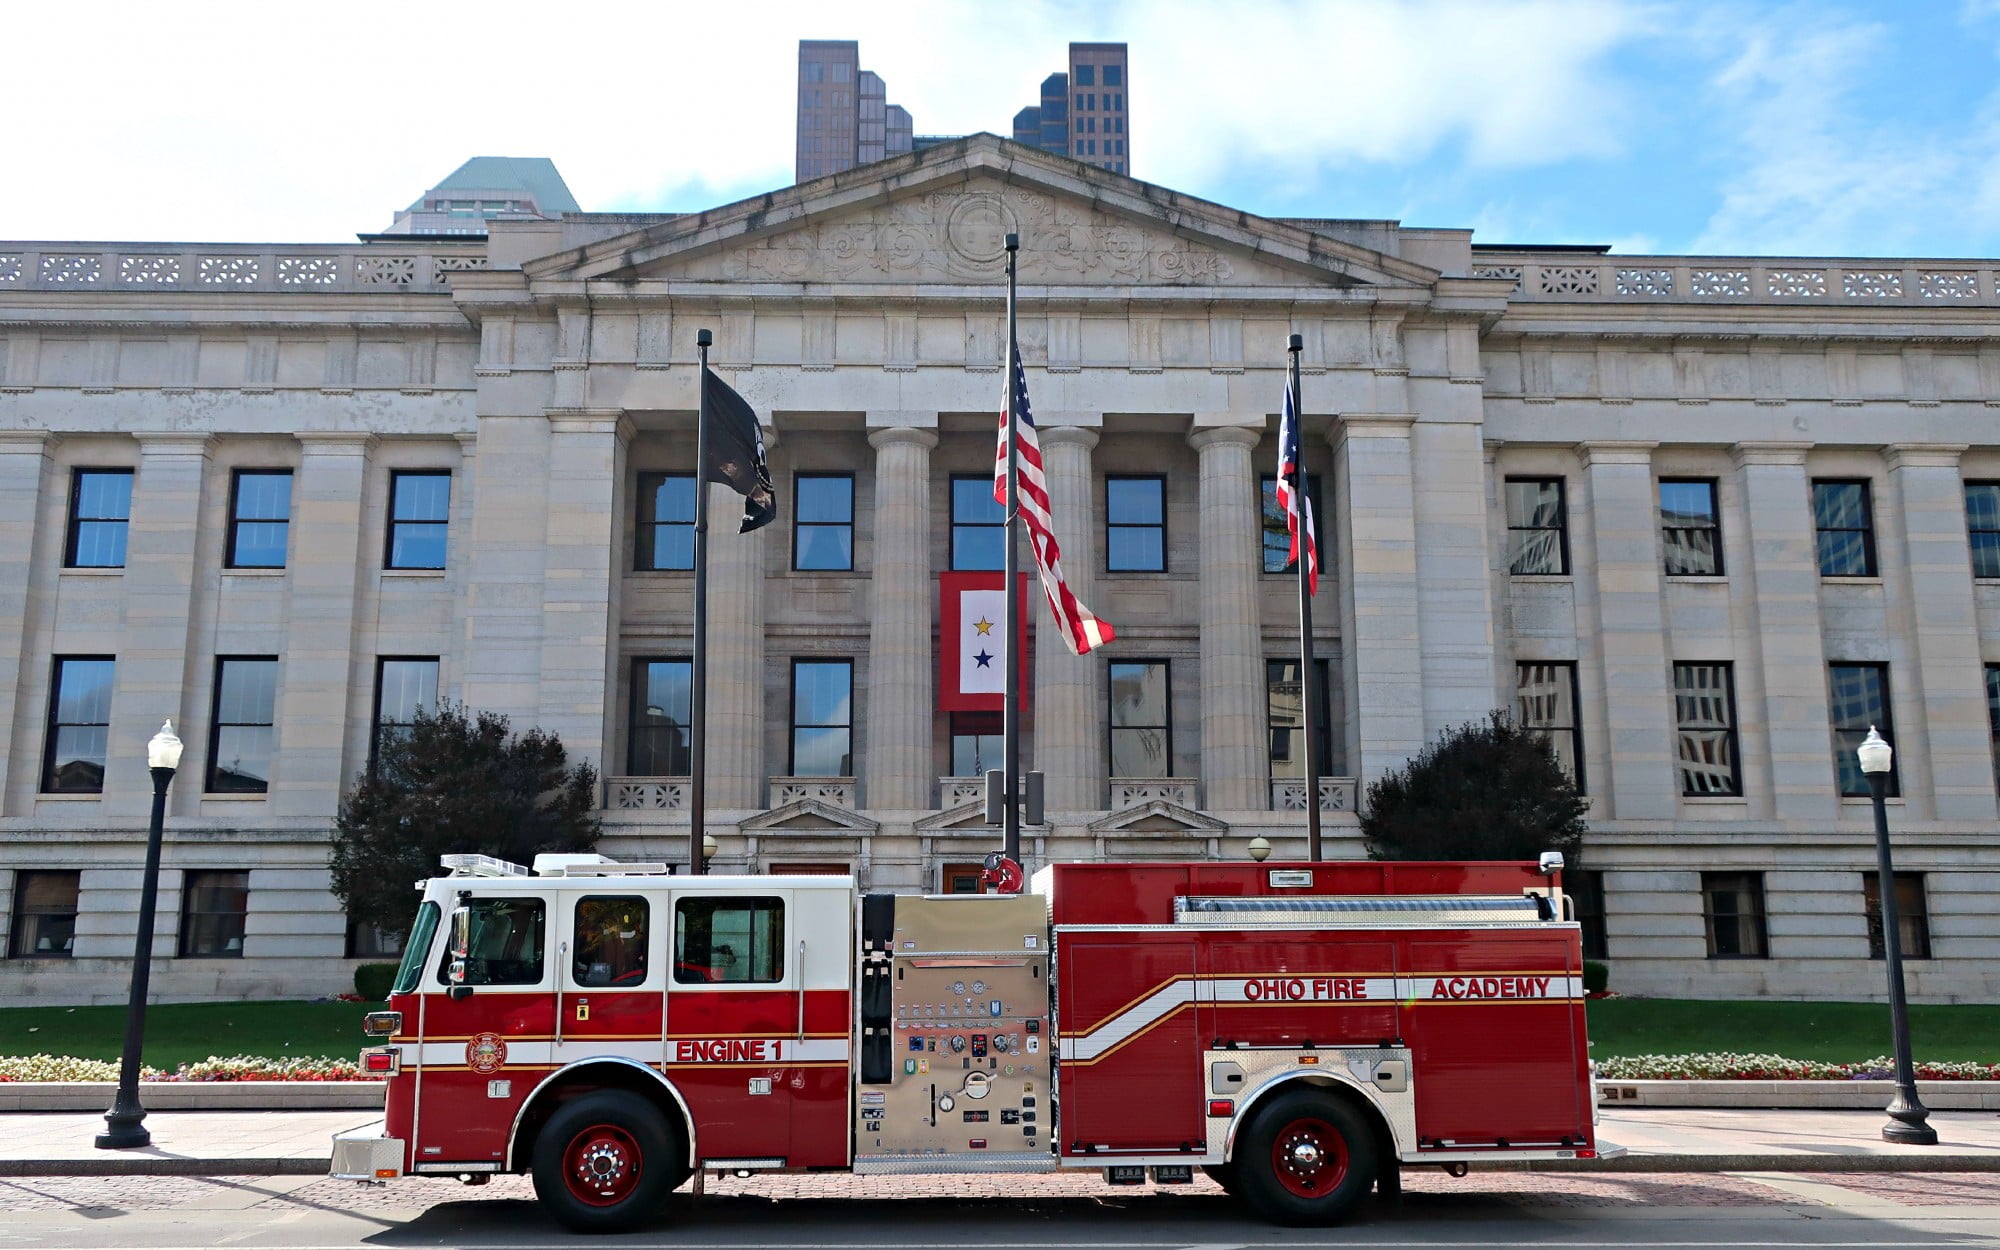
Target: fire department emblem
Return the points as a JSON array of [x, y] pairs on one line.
[[485, 1052]]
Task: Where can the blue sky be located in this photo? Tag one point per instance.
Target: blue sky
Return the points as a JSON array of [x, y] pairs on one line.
[[1837, 127]]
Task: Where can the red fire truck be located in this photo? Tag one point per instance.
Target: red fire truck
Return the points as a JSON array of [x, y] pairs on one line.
[[1299, 1031]]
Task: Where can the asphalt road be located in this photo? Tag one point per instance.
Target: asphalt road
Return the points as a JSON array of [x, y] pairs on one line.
[[1487, 1211]]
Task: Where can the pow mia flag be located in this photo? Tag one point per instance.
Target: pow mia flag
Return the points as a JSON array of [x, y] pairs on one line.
[[736, 451]]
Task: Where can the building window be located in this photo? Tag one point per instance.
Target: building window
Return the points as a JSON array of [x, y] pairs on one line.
[[1114, 75], [1982, 527], [823, 534], [1085, 76], [978, 526], [1732, 905], [977, 743], [79, 725], [365, 941], [1135, 524], [1277, 535], [729, 940], [1585, 891], [100, 508], [44, 915], [1860, 699], [260, 510], [213, 907], [1993, 714], [1845, 529], [404, 685], [1913, 920], [1537, 527], [419, 510], [661, 718], [1284, 701], [1141, 727], [822, 730], [1705, 729], [242, 728], [1545, 705], [1690, 527], [665, 538]]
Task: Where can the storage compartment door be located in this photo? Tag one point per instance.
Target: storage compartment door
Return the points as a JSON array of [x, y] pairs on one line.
[[1131, 1056]]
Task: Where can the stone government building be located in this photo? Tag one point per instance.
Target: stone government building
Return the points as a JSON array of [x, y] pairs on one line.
[[1702, 519]]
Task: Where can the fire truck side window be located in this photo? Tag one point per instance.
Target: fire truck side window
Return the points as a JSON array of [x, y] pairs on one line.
[[504, 943], [730, 941], [611, 941]]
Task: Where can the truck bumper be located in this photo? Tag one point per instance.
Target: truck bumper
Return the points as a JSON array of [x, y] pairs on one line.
[[366, 1155]]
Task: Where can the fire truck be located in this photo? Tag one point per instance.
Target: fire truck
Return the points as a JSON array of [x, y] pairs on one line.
[[1299, 1031]]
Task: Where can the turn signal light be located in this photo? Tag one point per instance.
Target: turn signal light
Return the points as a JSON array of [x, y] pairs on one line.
[[382, 1023], [1222, 1106], [383, 1062]]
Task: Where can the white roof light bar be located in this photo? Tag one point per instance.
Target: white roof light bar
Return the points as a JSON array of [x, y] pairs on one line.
[[480, 866]]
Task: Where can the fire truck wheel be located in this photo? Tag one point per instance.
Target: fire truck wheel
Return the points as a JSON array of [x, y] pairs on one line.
[[1308, 1158], [603, 1162]]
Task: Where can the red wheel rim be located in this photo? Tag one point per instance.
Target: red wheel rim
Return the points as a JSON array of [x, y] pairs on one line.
[[602, 1165], [1309, 1157]]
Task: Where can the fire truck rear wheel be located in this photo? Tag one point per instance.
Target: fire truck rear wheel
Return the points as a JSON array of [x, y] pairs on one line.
[[604, 1162], [1307, 1158]]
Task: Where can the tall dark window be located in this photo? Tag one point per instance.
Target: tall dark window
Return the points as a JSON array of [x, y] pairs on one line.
[[419, 515], [976, 743], [404, 685], [243, 729], [1732, 905], [1705, 729], [1690, 527], [79, 725], [1284, 700], [213, 908], [1913, 917], [1135, 524], [1545, 703], [823, 533], [366, 941], [978, 526], [260, 518], [1277, 535], [44, 915], [1860, 698], [822, 729], [1586, 894], [1844, 526], [1537, 526], [661, 716], [665, 534], [1993, 714], [1982, 527], [100, 508], [1142, 738]]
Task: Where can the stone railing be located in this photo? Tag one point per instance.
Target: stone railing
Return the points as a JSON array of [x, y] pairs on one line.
[[953, 791], [838, 791], [646, 794], [294, 269], [1336, 794], [1544, 278], [1133, 791]]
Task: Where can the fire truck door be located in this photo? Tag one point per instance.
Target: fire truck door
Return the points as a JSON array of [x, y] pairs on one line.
[[1131, 1058], [733, 1014], [612, 977]]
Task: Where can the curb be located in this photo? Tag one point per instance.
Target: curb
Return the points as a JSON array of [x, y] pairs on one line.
[[1795, 1095], [1761, 1163], [148, 1165], [196, 1095]]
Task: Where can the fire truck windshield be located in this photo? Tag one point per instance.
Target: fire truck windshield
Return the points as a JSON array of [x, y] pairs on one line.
[[414, 950]]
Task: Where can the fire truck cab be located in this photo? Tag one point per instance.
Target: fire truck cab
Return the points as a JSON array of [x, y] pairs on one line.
[[1299, 1031]]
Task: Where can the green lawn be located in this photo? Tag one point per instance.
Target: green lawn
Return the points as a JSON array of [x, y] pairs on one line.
[[1830, 1032], [184, 1032]]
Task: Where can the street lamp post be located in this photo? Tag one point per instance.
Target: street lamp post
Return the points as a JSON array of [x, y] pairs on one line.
[[124, 1124], [709, 846], [1260, 848], [1907, 1114]]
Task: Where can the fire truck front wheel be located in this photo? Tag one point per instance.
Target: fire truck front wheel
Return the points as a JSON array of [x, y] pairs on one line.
[[1307, 1158], [604, 1162]]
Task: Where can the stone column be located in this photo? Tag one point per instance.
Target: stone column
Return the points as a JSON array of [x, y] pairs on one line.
[[505, 557], [900, 764], [737, 777], [1951, 735], [155, 670], [1780, 563], [1381, 657], [24, 459], [1069, 707], [580, 586], [1631, 630], [1234, 712], [320, 667], [1454, 591]]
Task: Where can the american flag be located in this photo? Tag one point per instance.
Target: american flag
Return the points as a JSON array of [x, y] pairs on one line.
[[1080, 629], [1288, 464]]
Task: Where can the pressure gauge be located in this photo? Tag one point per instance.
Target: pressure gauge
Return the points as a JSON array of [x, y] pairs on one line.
[[979, 987], [957, 1042], [958, 987]]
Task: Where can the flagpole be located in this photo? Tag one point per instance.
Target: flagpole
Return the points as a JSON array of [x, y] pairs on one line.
[[698, 745], [1010, 766], [1308, 677]]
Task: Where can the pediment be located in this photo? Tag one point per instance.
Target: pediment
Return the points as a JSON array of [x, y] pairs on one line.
[[1159, 816], [941, 216], [809, 816], [963, 818]]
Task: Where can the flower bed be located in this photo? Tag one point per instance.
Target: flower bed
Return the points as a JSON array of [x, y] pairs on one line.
[[1728, 1067], [213, 1068]]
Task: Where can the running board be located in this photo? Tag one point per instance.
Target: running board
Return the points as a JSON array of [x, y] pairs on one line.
[[961, 1161]]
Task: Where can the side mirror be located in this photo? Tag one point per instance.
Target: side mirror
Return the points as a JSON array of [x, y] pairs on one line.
[[1551, 863], [461, 950]]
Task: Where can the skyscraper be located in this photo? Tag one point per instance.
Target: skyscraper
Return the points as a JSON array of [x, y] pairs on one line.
[[1082, 113], [844, 115]]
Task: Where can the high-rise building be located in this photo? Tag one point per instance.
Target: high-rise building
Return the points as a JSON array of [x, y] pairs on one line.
[[1082, 112], [844, 115], [485, 188]]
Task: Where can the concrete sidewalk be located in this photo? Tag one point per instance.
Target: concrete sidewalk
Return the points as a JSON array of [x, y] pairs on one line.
[[273, 1143]]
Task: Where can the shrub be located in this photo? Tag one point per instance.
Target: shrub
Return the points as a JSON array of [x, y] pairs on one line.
[[372, 981], [1596, 976], [1491, 790]]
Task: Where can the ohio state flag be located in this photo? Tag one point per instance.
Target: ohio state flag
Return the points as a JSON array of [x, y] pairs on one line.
[[972, 641]]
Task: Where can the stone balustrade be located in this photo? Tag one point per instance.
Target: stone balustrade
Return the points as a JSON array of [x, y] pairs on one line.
[[173, 267], [838, 791], [1134, 791], [1587, 277], [646, 793], [1336, 794]]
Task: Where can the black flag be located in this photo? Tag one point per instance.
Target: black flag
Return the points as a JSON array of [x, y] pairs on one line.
[[736, 451]]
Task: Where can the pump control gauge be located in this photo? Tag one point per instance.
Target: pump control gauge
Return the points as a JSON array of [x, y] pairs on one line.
[[958, 987], [957, 1042], [979, 987]]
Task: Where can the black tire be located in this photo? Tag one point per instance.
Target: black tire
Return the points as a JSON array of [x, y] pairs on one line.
[[1308, 1158], [605, 1162], [1224, 1175]]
